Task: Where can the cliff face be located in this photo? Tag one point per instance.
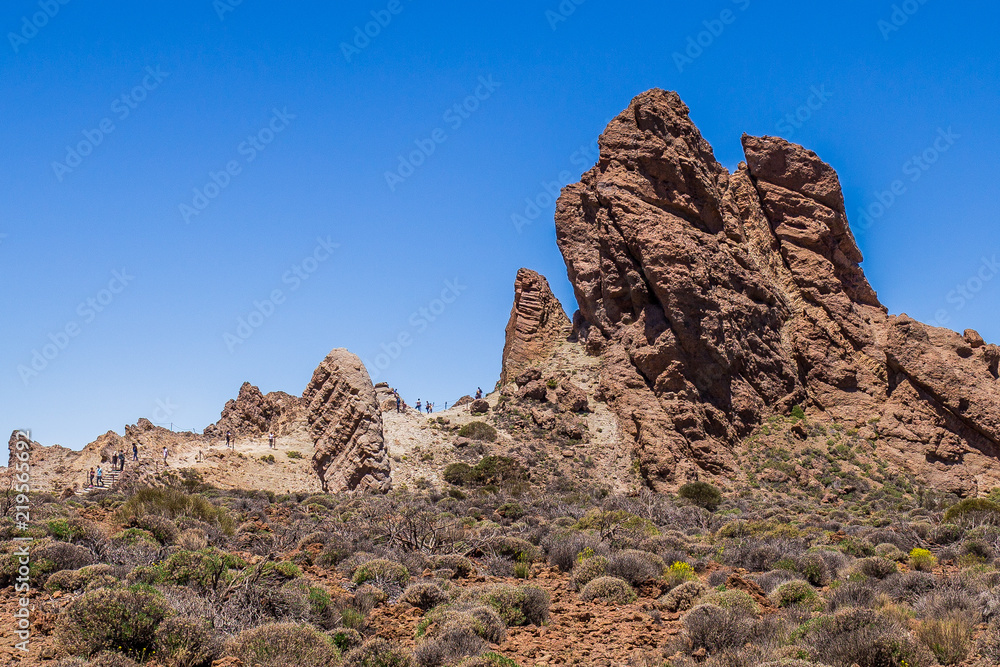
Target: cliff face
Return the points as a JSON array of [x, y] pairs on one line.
[[718, 299]]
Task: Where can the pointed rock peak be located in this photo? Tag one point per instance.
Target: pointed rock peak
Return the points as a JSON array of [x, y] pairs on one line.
[[346, 425], [537, 325]]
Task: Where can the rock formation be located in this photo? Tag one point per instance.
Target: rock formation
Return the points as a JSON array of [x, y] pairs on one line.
[[346, 424], [254, 414], [718, 299], [537, 324]]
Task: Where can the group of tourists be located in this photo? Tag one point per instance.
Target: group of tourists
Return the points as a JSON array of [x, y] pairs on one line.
[[428, 406]]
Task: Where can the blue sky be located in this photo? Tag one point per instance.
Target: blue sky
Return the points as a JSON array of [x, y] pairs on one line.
[[226, 159]]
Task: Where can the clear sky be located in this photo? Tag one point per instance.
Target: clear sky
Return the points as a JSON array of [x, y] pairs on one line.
[[171, 168]]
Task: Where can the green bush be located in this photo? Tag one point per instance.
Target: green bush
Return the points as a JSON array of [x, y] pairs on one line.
[[204, 569], [173, 503], [588, 569], [609, 589], [185, 641], [283, 644], [678, 573], [973, 512], [293, 454], [701, 494], [478, 431], [798, 412], [794, 593], [734, 600], [122, 620], [380, 569], [517, 605], [459, 474], [161, 528], [922, 560]]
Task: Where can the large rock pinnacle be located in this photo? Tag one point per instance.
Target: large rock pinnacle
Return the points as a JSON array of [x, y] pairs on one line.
[[346, 425], [537, 325]]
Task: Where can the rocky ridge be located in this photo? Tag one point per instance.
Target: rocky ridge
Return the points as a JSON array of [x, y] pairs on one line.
[[715, 300]]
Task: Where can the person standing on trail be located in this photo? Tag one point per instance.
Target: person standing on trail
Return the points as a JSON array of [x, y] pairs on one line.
[[135, 452], [164, 455], [479, 392], [229, 436], [100, 476], [430, 407], [91, 477], [398, 401], [121, 460], [419, 407], [270, 440]]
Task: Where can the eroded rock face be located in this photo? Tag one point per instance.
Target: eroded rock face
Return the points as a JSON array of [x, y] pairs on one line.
[[718, 299], [537, 324], [346, 425], [253, 414]]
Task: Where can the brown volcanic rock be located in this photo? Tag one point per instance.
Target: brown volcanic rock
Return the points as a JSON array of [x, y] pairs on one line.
[[346, 425], [717, 299], [255, 414], [537, 324]]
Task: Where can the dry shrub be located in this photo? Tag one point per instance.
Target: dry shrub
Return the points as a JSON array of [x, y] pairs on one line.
[[681, 598], [948, 638], [378, 652], [283, 645], [635, 566], [183, 641], [611, 590], [866, 638], [424, 595]]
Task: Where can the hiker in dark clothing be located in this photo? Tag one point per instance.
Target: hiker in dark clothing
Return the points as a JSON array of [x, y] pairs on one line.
[[135, 452], [114, 461], [228, 438], [91, 477], [430, 407], [479, 392], [398, 401]]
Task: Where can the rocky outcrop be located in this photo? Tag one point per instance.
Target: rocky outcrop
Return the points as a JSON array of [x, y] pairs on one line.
[[346, 425], [537, 325], [718, 299], [253, 414]]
